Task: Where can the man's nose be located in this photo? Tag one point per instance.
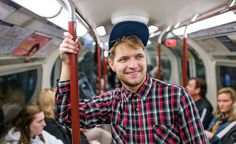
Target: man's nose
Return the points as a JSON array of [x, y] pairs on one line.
[[44, 123], [221, 104], [133, 63]]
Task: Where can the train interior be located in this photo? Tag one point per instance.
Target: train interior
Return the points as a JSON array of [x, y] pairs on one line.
[[23, 73]]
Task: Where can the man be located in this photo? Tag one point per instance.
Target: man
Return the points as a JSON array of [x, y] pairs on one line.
[[144, 109], [197, 89]]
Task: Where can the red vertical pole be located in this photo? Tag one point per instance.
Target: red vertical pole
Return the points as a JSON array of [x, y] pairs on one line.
[[185, 62], [99, 67], [74, 86], [74, 89], [105, 73], [185, 58]]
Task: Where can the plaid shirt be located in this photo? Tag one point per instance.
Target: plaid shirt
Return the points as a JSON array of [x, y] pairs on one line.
[[158, 113]]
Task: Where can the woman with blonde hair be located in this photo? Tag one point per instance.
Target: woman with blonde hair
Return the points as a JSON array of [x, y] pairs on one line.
[[223, 116], [28, 128], [46, 102]]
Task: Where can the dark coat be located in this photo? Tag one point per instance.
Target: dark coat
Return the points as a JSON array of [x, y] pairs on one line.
[[61, 132], [205, 111]]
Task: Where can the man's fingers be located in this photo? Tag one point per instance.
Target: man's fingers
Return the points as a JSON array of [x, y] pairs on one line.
[[70, 42], [64, 47], [68, 35], [77, 43]]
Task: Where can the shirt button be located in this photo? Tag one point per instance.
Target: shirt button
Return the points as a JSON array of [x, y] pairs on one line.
[[140, 129], [137, 109]]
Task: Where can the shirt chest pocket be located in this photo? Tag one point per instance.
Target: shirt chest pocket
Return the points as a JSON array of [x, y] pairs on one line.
[[165, 135]]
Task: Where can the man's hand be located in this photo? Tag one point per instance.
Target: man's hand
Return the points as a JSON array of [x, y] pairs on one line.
[[67, 46]]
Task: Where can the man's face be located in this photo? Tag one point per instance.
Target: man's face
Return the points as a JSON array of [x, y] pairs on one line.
[[38, 124], [191, 87], [130, 66]]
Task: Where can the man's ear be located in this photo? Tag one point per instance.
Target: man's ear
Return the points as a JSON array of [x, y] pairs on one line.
[[198, 90], [111, 64]]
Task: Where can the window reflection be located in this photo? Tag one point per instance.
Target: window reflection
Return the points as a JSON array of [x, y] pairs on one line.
[[15, 91]]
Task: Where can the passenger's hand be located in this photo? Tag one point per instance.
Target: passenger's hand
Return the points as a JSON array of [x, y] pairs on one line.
[[67, 46], [209, 135]]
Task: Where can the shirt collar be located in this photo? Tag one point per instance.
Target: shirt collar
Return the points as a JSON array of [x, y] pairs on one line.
[[143, 90]]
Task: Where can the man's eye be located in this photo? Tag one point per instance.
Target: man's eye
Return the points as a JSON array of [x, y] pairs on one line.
[[140, 56], [123, 59]]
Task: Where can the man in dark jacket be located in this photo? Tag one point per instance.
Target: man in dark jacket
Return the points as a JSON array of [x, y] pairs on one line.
[[197, 89]]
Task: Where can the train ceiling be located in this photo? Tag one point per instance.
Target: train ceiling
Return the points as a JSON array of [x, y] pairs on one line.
[[161, 13]]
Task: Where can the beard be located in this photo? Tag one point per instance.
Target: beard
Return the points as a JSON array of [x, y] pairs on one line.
[[131, 83]]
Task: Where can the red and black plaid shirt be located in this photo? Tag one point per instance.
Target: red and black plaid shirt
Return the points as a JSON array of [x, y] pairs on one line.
[[158, 113]]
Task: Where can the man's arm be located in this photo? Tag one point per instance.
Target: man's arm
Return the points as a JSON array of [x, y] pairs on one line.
[[191, 129], [93, 111], [63, 103]]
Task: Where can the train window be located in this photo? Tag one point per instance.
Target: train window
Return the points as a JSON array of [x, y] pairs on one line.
[[86, 66], [195, 64], [15, 91], [152, 68], [165, 69], [55, 72], [86, 60], [226, 76], [199, 65]]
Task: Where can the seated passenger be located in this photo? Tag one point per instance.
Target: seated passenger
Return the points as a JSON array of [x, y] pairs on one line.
[[1, 117], [28, 128], [46, 102], [12, 103], [224, 115], [197, 88]]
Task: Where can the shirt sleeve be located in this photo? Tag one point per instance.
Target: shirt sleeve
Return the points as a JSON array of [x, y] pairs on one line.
[[96, 110], [63, 104], [191, 129]]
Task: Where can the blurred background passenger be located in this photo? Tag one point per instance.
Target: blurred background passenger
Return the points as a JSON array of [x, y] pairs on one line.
[[28, 128], [1, 117], [223, 116], [46, 102], [13, 102], [197, 88]]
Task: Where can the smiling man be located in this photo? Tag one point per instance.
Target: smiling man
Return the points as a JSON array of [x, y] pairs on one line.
[[144, 109]]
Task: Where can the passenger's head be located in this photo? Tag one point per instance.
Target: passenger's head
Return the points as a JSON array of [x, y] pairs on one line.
[[127, 56], [30, 123], [197, 86], [133, 33], [46, 102], [130, 41], [226, 98]]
